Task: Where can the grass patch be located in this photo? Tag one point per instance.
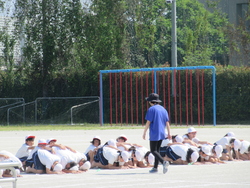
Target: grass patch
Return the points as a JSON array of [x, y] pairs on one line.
[[98, 127]]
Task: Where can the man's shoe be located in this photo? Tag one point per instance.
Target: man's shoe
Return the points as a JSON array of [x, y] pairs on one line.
[[153, 170], [165, 167]]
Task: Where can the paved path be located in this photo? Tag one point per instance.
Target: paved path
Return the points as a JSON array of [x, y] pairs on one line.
[[232, 174]]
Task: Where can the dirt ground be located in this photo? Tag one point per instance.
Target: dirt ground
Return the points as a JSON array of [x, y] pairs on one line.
[[232, 174]]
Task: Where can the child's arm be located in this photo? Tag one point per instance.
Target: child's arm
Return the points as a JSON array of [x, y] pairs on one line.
[[4, 156]]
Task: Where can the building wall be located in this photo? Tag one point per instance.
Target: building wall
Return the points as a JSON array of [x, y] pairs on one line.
[[230, 7], [235, 10]]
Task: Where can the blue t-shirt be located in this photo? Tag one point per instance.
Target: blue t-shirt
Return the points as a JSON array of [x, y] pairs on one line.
[[158, 116]]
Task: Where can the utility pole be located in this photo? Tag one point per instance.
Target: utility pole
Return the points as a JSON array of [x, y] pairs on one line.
[[174, 44], [174, 35]]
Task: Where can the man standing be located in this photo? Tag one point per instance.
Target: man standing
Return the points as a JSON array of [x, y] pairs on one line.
[[157, 121]]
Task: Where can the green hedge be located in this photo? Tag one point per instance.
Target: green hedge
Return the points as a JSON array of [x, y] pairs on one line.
[[232, 89]]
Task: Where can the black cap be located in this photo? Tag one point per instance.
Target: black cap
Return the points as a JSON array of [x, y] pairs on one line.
[[153, 97]]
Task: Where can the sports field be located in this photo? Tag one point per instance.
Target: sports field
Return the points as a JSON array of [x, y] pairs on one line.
[[232, 174]]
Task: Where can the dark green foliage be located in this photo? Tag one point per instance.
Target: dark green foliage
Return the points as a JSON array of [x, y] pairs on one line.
[[66, 44]]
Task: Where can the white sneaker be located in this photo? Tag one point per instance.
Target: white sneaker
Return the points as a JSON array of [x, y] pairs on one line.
[[165, 167]]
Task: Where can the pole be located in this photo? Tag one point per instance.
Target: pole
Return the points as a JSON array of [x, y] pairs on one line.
[[174, 43], [174, 36]]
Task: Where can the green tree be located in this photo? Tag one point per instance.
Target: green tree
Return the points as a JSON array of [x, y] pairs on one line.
[[49, 40], [148, 32], [104, 42], [201, 36]]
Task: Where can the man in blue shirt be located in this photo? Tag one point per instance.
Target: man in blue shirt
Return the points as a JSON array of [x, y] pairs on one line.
[[157, 121]]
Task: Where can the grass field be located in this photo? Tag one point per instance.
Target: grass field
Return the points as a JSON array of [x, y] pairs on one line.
[[98, 127]]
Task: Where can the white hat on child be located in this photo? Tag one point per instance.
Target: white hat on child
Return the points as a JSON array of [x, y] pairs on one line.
[[29, 136], [231, 134], [179, 138], [206, 150], [74, 168], [139, 155], [151, 159], [57, 168], [194, 156], [191, 130], [51, 139], [42, 141], [218, 150], [85, 166], [112, 143], [125, 156]]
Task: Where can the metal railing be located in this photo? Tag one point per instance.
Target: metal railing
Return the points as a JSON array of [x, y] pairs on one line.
[[11, 166], [77, 106]]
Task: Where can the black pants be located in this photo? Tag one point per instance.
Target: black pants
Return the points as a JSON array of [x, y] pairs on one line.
[[155, 150]]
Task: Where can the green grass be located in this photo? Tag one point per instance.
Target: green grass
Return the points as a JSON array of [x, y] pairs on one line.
[[98, 127]]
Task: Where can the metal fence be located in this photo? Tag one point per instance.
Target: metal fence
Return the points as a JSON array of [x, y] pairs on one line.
[[53, 110]]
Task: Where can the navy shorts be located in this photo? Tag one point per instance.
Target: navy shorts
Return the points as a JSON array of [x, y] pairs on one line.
[[171, 154], [23, 159], [29, 162], [224, 151], [163, 151], [37, 163], [100, 158], [88, 158]]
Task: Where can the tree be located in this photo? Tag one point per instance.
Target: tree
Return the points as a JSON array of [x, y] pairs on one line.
[[201, 37], [105, 45], [49, 39]]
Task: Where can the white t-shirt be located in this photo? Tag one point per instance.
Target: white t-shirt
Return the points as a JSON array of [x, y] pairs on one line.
[[23, 151], [110, 154], [165, 142], [91, 147], [32, 152], [195, 139], [78, 156], [121, 148], [66, 156], [224, 141], [47, 158], [180, 150], [142, 149], [244, 147]]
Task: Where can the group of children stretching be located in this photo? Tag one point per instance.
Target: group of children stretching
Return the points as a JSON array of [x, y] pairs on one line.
[[52, 158]]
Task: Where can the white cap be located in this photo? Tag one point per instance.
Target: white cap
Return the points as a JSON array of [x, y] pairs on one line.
[[85, 166], [231, 134], [125, 156], [191, 130], [42, 141], [237, 144], [51, 139], [151, 159], [57, 168], [17, 172], [75, 168], [206, 150], [112, 142], [29, 136], [97, 137], [165, 142], [139, 155], [123, 136], [179, 138], [218, 150], [194, 156]]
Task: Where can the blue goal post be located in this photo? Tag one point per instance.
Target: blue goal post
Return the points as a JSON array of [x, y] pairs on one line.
[[155, 81]]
